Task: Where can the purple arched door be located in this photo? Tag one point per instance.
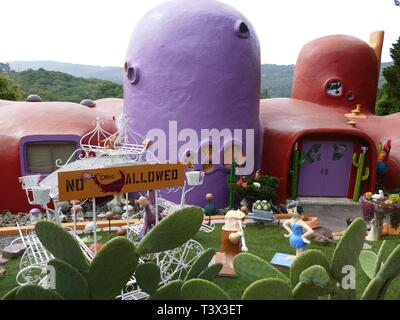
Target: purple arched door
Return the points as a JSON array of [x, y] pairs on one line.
[[326, 169]]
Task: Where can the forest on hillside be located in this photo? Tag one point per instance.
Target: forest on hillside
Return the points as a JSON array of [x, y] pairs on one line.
[[57, 86]]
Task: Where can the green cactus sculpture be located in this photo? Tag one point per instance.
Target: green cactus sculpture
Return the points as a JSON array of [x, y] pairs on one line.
[[360, 175], [232, 178], [298, 158]]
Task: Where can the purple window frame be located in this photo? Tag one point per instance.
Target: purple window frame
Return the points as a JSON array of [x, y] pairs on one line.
[[63, 138]]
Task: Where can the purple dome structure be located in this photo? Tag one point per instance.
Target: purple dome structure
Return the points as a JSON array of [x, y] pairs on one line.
[[196, 63]]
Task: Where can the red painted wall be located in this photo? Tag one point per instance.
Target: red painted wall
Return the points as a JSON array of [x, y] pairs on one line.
[[20, 119], [337, 57]]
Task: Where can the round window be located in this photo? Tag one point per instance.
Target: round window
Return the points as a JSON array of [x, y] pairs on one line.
[[334, 88], [242, 30], [132, 73]]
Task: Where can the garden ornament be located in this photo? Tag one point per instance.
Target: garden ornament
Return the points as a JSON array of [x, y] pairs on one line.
[[383, 157], [298, 239], [232, 237], [378, 196], [148, 203], [210, 209]]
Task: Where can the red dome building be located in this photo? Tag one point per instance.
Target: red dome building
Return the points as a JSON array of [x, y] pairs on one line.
[[333, 75], [35, 134]]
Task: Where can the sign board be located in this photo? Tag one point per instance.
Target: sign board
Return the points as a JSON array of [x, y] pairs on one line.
[[92, 183]]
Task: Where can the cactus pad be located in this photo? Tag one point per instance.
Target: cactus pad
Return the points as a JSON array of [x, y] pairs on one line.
[[61, 244], [170, 291], [200, 264], [268, 289], [211, 272], [368, 260], [69, 282], [11, 295], [200, 289], [380, 283], [148, 277], [111, 268], [251, 268], [172, 231], [384, 251], [35, 292], [305, 260], [348, 249], [315, 276]]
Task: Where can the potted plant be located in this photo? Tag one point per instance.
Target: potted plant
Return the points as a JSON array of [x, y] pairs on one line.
[[261, 211], [255, 188]]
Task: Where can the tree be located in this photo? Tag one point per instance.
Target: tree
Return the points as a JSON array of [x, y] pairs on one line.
[[5, 68], [389, 96], [8, 91], [265, 94]]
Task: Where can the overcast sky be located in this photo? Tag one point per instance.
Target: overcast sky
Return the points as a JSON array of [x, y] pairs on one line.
[[97, 31]]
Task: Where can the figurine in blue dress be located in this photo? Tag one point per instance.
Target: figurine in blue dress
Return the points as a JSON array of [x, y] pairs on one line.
[[298, 239]]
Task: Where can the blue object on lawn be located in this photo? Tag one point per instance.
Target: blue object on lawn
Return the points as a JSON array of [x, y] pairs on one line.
[[295, 239], [283, 260]]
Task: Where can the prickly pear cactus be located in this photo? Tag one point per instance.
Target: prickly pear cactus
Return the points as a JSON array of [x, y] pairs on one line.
[[35, 292], [298, 158], [172, 231], [200, 289], [68, 281], [61, 244], [377, 287], [368, 261], [11, 295], [347, 253], [250, 268], [305, 260], [111, 268], [268, 289], [171, 291], [211, 272], [200, 264], [384, 251], [313, 282], [148, 277]]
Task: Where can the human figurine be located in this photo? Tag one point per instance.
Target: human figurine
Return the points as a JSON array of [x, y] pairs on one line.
[[148, 203], [232, 237], [298, 239], [210, 209]]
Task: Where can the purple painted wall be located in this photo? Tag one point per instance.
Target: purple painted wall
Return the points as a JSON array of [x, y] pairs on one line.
[[196, 62]]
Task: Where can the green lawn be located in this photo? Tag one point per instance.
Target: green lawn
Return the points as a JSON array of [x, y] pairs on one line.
[[263, 241]]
